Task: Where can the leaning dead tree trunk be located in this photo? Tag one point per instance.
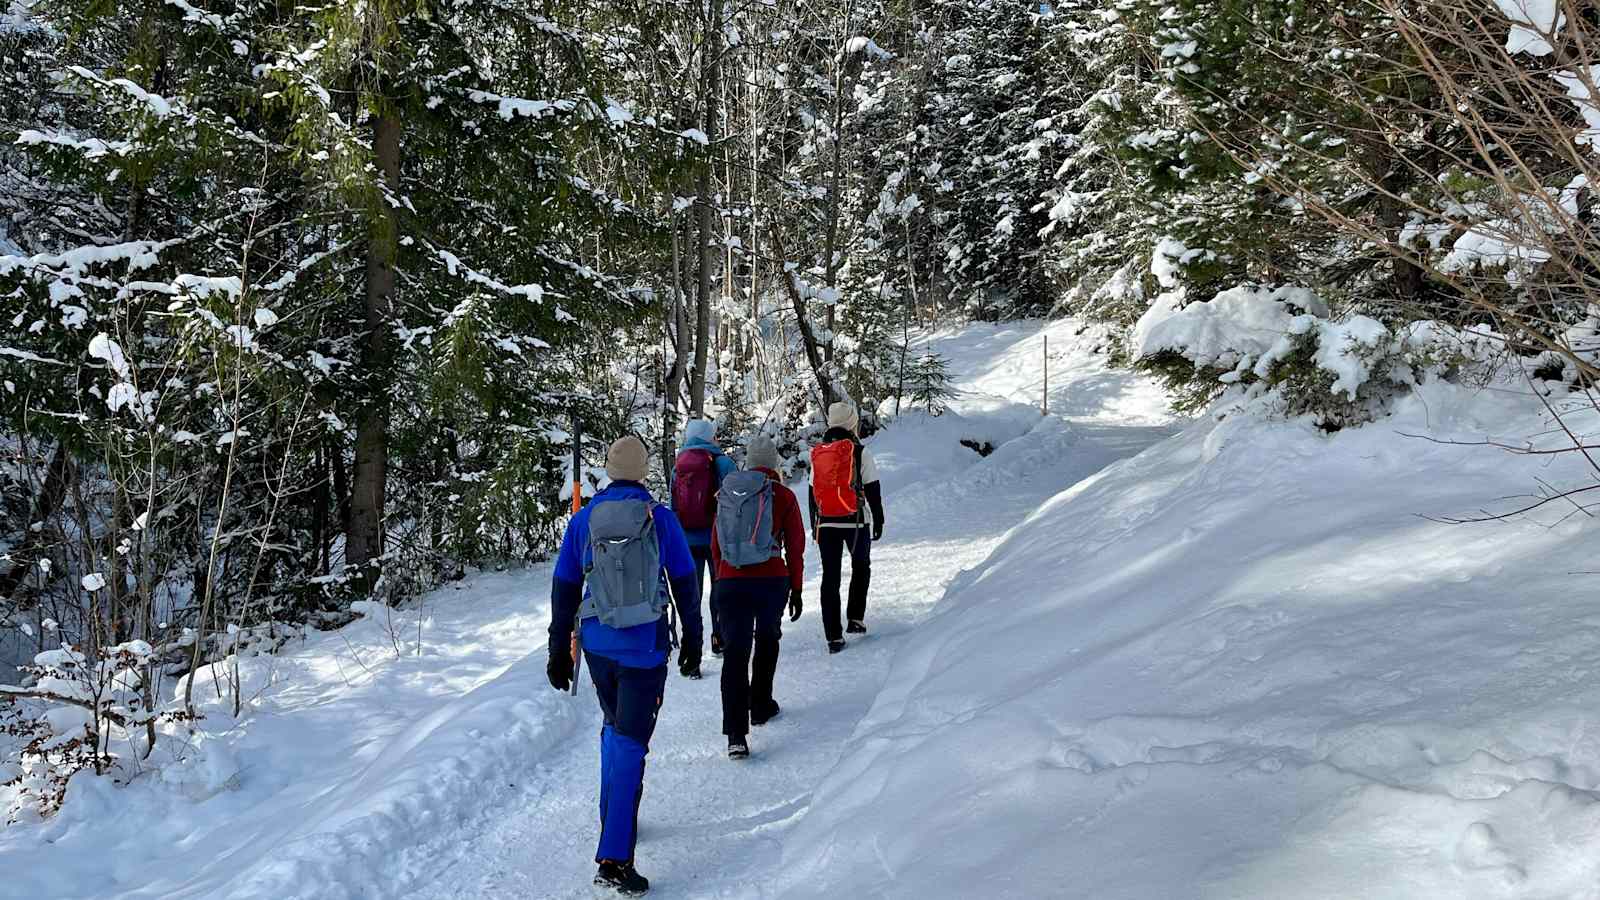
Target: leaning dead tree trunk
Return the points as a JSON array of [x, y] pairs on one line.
[[808, 335], [842, 85]]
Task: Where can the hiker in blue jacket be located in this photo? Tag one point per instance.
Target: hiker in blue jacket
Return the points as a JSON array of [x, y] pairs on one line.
[[627, 661], [697, 475]]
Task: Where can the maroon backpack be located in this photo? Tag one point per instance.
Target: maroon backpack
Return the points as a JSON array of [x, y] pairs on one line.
[[694, 489]]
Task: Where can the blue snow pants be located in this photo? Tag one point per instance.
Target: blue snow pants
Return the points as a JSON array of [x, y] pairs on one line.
[[630, 699]]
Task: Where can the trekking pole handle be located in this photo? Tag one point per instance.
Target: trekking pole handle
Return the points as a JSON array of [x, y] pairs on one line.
[[577, 655]]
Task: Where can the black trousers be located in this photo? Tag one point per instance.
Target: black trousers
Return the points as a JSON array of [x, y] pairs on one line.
[[702, 562], [752, 618], [832, 543]]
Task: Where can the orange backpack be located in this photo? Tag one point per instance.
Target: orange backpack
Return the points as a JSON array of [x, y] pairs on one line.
[[833, 478]]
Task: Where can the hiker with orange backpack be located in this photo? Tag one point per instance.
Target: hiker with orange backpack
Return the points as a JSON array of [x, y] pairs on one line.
[[846, 514], [623, 559], [759, 548], [697, 474]]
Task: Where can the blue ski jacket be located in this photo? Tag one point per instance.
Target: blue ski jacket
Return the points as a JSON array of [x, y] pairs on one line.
[[641, 646]]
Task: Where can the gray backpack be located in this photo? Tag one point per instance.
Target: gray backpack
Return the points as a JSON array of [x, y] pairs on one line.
[[624, 568], [744, 519]]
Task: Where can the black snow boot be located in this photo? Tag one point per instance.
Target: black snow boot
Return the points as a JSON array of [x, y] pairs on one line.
[[623, 878], [738, 748], [716, 645], [855, 627], [764, 716], [835, 646]]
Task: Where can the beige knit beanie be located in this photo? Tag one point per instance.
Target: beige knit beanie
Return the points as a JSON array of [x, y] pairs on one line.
[[627, 460], [843, 415]]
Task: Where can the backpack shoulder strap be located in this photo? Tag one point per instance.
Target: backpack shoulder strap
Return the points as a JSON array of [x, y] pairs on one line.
[[857, 485]]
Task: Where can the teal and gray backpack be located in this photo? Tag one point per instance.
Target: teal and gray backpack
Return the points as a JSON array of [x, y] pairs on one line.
[[624, 565], [744, 519]]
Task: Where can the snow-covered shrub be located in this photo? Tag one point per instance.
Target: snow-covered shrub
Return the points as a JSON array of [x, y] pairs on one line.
[[1339, 373], [1279, 349], [1200, 348], [73, 714]]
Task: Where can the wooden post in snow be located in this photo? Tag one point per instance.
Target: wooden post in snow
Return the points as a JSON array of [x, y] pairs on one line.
[[1045, 405]]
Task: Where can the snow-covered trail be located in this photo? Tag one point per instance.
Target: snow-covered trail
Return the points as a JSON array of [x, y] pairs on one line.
[[710, 827], [421, 753]]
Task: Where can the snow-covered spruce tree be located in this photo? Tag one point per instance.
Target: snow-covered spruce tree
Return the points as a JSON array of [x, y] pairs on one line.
[[142, 349], [155, 407], [1325, 99], [1101, 214], [880, 282], [995, 148], [1486, 215], [463, 134]]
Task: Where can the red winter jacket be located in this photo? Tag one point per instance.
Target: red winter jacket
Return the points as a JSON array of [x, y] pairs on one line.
[[790, 531]]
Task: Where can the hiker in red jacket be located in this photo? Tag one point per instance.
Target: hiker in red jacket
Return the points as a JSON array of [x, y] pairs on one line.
[[758, 547], [846, 513]]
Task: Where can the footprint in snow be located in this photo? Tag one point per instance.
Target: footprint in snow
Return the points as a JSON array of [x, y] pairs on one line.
[[1480, 850]]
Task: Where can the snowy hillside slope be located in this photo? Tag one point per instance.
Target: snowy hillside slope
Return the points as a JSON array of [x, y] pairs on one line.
[[1240, 665]]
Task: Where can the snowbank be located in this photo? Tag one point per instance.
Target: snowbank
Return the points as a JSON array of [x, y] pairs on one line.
[[358, 749], [1240, 665]]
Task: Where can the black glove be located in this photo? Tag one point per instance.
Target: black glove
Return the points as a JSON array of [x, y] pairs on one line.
[[689, 663], [559, 668], [877, 530], [795, 605]]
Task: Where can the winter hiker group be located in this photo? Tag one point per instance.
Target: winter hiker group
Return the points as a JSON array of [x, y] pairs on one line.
[[627, 562]]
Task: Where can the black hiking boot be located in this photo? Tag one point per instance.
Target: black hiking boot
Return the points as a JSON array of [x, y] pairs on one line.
[[761, 718], [855, 627], [716, 645], [835, 646], [622, 877], [738, 748]]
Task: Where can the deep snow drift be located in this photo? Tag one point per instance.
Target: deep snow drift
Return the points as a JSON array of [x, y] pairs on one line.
[[1240, 665]]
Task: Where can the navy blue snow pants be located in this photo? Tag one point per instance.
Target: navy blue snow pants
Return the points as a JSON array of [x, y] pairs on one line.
[[630, 699], [703, 562]]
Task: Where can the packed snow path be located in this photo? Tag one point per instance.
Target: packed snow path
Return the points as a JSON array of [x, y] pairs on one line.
[[711, 827]]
